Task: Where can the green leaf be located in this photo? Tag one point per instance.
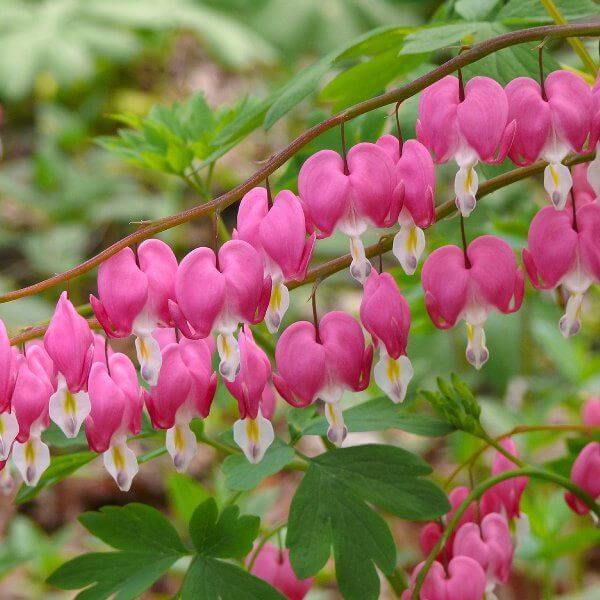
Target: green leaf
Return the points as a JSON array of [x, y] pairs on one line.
[[378, 41], [222, 536], [126, 574], [242, 475], [368, 78], [434, 38], [148, 545], [60, 468], [209, 579], [185, 494], [475, 10], [329, 509], [380, 414], [135, 528], [532, 11]]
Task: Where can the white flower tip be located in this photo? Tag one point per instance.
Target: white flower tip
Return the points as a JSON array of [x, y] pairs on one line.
[[278, 305], [253, 436], [337, 435], [477, 353], [150, 358], [360, 267], [408, 246], [557, 182], [466, 184], [570, 322], [181, 445], [69, 410], [31, 458], [393, 376], [466, 205], [337, 431], [121, 463], [7, 482], [8, 432], [229, 352]]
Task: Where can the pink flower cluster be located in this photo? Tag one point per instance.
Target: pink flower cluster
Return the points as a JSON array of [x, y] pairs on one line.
[[174, 308], [478, 555]]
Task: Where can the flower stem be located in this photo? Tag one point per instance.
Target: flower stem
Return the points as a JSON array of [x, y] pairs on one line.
[[476, 494]]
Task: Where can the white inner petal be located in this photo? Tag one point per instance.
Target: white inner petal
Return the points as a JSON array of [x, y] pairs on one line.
[[253, 436], [31, 458], [121, 463], [337, 431], [149, 357], [393, 375], [229, 353], [570, 322], [593, 173], [8, 432], [181, 444], [466, 184], [360, 267], [68, 410], [409, 244], [557, 182], [7, 482], [477, 353], [278, 305]]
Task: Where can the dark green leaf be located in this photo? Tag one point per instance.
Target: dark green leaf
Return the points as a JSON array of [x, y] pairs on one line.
[[60, 468], [532, 11], [134, 527], [379, 40], [209, 579], [185, 494], [475, 10], [329, 509], [222, 536], [242, 475], [380, 414]]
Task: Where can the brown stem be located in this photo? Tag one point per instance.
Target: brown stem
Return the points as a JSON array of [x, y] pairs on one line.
[[106, 354], [464, 242], [461, 85], [541, 68], [313, 298], [412, 88], [269, 194], [399, 130], [343, 135]]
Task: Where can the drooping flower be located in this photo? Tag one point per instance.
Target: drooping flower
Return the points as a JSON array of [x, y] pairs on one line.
[[504, 497], [593, 172], [117, 401], [36, 381], [9, 365], [586, 474], [134, 290], [464, 580], [490, 544], [350, 195], [323, 363], [252, 432], [590, 414], [470, 129], [385, 314], [278, 233], [562, 251], [185, 389], [415, 178], [70, 344], [218, 295], [469, 285], [273, 565], [582, 190], [551, 122]]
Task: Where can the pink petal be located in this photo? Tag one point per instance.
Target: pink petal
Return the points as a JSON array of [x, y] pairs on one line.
[[588, 222], [586, 474], [9, 361], [252, 210]]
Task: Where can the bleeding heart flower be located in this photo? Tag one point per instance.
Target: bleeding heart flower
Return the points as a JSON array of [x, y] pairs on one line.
[[117, 403], [415, 183], [469, 287], [470, 129], [278, 233], [219, 295], [385, 314], [586, 474], [505, 496], [185, 389], [432, 532], [70, 344], [323, 364], [134, 294], [101, 349], [565, 252], [36, 381], [593, 172], [590, 415], [273, 565], [582, 190], [252, 432], [550, 123], [465, 580], [350, 196], [489, 544], [10, 360]]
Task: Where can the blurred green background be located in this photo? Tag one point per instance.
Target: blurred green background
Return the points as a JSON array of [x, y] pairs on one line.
[[73, 73]]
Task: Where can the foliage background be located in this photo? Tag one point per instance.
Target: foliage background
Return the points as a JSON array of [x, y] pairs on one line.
[[70, 186]]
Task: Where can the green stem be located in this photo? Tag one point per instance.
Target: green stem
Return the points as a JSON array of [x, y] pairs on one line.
[[576, 43], [268, 535], [398, 581], [476, 494]]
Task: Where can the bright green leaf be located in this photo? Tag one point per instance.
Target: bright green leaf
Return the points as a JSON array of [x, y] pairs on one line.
[[532, 11], [242, 475], [185, 494], [475, 10], [435, 38]]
